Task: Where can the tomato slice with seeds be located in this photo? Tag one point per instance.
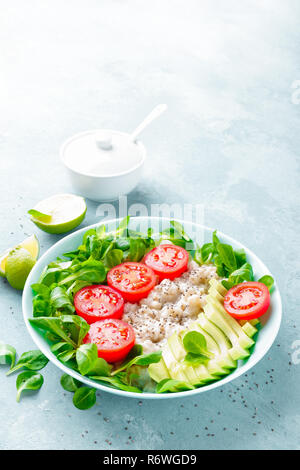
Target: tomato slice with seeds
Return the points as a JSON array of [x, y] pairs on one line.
[[247, 300], [114, 338], [97, 302], [167, 261], [133, 280]]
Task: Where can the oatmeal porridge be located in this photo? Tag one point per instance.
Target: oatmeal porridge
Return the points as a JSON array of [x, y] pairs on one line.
[[170, 306]]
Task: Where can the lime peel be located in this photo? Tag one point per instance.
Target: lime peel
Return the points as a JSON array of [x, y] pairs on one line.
[[40, 215]]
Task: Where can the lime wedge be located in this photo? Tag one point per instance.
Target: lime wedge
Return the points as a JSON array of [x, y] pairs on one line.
[[30, 244], [18, 265], [3, 259], [59, 214]]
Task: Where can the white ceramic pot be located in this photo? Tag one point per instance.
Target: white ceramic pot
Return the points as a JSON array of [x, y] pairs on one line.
[[106, 187]]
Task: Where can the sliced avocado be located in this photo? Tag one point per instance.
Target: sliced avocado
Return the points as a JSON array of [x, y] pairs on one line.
[[215, 366], [169, 358], [224, 360], [172, 364], [214, 293], [218, 286], [203, 376], [249, 329], [195, 374], [244, 340], [176, 347], [237, 351], [218, 291], [212, 346], [178, 373], [158, 371], [254, 322], [191, 374], [228, 339]]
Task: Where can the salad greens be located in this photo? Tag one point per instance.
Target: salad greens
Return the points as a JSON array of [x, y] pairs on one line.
[[139, 360], [68, 383], [89, 363], [268, 281], [172, 385], [32, 360], [28, 380], [53, 308], [84, 398], [7, 354], [231, 264], [195, 345], [54, 313], [88, 264]]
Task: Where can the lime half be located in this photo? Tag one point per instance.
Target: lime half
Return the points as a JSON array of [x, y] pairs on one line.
[[31, 244], [59, 214]]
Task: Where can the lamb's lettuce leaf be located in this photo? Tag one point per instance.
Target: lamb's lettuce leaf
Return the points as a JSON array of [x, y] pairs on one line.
[[268, 281], [139, 360], [231, 264], [89, 363], [195, 345], [116, 382], [172, 385]]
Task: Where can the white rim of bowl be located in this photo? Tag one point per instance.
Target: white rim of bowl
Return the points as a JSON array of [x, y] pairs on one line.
[[116, 175], [38, 339]]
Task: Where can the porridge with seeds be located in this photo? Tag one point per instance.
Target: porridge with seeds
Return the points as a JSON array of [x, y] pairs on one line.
[[170, 306]]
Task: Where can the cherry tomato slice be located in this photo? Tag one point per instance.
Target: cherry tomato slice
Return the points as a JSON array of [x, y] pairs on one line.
[[97, 302], [113, 338], [167, 261], [247, 300], [133, 280]]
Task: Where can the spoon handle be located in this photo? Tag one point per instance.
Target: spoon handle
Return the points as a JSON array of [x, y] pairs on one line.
[[155, 113]]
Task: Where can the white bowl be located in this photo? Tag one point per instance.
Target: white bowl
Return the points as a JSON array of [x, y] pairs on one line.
[[103, 188], [267, 334]]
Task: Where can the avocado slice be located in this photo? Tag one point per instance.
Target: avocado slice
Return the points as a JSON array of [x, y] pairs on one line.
[[244, 340], [212, 345], [228, 339], [196, 374], [217, 365], [158, 371], [225, 360], [237, 351], [249, 329], [218, 286], [254, 322], [218, 291], [216, 294], [178, 373], [172, 363]]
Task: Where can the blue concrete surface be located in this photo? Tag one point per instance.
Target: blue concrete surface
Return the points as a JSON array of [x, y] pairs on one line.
[[230, 141]]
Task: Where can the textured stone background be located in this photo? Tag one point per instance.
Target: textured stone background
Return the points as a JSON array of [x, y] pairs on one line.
[[230, 141]]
